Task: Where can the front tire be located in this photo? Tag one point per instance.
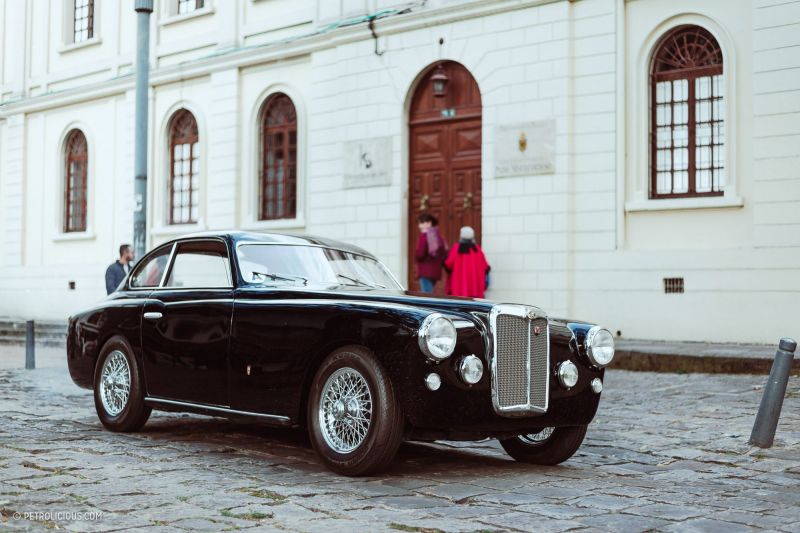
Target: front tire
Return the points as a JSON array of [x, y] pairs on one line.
[[548, 446], [354, 419], [118, 388]]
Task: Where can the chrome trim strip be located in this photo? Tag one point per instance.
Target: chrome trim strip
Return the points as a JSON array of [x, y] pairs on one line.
[[283, 420], [184, 289], [531, 313], [462, 324], [170, 261], [333, 301]]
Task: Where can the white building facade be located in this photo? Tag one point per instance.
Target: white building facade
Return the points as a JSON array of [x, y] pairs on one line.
[[633, 163]]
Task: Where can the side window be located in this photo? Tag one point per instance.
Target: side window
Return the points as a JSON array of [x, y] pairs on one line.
[[200, 265], [150, 272]]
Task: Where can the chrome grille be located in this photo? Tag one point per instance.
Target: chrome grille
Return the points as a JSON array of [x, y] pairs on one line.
[[512, 360], [520, 364]]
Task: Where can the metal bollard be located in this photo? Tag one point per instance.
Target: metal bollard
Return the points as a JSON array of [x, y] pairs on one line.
[[30, 346], [772, 400]]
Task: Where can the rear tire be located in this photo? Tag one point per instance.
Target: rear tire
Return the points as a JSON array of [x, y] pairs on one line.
[[556, 448], [354, 419], [118, 388]]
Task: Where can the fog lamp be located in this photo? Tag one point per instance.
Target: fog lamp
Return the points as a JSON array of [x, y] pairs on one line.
[[597, 385], [568, 374], [433, 381], [471, 369]]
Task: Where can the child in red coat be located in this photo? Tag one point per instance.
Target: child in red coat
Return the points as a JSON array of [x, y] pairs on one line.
[[467, 267]]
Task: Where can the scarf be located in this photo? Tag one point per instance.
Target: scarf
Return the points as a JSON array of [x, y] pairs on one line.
[[435, 242], [465, 246]]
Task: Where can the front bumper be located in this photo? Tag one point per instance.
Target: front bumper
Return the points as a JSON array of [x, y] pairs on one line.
[[458, 411]]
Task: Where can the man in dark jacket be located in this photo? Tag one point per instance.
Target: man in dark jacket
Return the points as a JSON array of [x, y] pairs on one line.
[[120, 268]]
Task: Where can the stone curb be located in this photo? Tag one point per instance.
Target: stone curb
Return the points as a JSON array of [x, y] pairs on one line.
[[665, 361]]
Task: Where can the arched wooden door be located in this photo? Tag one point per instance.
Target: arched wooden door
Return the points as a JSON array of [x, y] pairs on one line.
[[444, 157]]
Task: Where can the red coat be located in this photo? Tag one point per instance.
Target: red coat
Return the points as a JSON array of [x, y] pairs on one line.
[[467, 272]]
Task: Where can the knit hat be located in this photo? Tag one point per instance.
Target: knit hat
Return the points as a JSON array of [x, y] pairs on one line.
[[467, 234]]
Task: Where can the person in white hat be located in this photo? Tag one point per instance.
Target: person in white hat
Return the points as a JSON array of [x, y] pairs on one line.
[[467, 267]]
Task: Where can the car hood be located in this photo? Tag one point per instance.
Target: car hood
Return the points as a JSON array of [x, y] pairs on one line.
[[445, 304], [430, 301]]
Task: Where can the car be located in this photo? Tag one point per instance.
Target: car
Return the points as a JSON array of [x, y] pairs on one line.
[[302, 331]]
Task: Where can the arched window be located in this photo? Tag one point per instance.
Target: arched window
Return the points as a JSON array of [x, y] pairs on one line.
[[184, 179], [76, 161], [278, 180], [687, 135]]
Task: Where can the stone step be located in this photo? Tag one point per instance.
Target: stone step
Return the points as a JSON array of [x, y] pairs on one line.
[[46, 332], [53, 342], [696, 357]]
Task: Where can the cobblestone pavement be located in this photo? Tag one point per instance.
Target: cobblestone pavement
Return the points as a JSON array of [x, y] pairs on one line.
[[666, 452]]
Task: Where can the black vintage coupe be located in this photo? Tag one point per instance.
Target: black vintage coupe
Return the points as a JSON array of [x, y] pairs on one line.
[[304, 331]]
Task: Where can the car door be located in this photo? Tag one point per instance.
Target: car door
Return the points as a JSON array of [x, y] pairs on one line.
[[186, 325]]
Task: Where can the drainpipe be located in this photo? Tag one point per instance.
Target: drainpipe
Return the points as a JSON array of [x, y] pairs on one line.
[[143, 10]]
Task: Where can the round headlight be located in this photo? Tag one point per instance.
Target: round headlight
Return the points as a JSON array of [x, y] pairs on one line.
[[437, 337], [600, 346], [568, 374], [471, 369]]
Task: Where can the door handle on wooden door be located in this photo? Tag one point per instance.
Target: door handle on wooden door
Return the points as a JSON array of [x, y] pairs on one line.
[[468, 200], [423, 202]]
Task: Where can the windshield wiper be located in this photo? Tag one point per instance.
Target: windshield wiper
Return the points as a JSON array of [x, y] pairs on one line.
[[361, 283], [281, 277]]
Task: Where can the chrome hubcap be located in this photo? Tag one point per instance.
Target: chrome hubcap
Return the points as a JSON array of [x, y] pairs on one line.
[[345, 410], [537, 438], [115, 383]]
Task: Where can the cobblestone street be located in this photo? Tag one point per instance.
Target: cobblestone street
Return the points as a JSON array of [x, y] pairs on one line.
[[666, 452]]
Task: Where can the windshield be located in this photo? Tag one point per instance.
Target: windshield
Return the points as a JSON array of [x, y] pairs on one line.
[[275, 264]]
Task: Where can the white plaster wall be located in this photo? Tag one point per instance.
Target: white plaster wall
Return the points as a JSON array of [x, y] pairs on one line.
[[40, 259], [735, 276], [565, 241]]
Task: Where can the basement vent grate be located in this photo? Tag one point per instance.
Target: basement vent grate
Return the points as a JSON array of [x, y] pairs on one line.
[[673, 285]]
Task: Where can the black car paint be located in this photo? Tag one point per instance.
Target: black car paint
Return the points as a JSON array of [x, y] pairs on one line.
[[255, 349]]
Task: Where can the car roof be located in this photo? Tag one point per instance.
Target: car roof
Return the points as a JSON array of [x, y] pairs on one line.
[[239, 237]]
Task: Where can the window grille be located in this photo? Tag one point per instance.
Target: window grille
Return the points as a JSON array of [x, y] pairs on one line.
[[687, 132], [278, 181]]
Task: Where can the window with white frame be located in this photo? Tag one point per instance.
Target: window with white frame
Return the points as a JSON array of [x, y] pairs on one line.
[[184, 178], [187, 6], [76, 163], [82, 20], [687, 122]]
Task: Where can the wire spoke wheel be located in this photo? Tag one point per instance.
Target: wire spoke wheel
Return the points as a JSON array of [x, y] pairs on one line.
[[345, 410], [538, 438], [115, 383]]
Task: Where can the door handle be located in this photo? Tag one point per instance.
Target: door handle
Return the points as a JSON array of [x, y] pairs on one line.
[[423, 203], [154, 315], [468, 200]]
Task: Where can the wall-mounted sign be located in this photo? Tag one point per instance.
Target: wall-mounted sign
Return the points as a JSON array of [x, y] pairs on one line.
[[368, 162], [525, 148]]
